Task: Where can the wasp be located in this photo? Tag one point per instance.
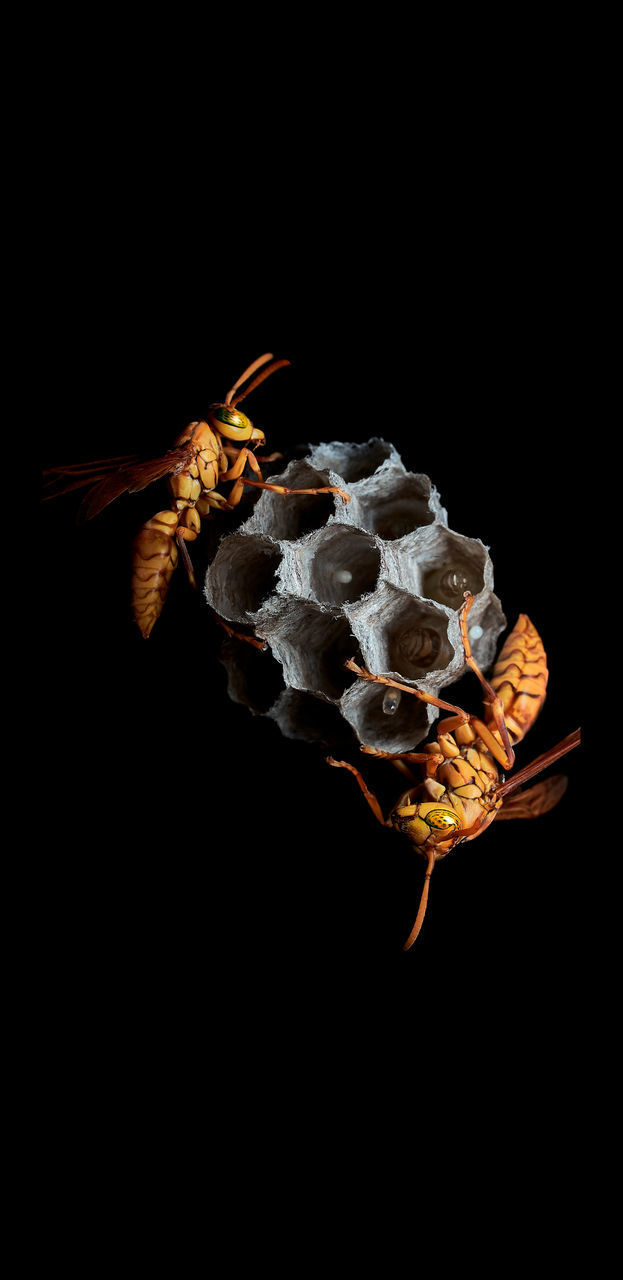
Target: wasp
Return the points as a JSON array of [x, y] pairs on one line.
[[462, 790], [208, 453]]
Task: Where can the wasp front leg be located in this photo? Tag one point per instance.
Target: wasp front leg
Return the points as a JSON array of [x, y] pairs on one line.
[[283, 489], [234, 473], [429, 759], [245, 455], [457, 720], [369, 795], [211, 500]]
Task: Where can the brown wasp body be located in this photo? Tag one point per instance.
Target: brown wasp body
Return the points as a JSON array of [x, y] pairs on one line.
[[461, 792], [206, 454]]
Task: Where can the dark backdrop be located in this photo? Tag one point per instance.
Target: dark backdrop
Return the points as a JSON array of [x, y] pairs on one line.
[[200, 851]]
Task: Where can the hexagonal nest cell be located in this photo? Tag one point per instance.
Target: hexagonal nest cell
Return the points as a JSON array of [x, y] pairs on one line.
[[380, 579]]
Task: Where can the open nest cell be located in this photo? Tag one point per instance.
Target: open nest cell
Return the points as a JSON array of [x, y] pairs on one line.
[[380, 579]]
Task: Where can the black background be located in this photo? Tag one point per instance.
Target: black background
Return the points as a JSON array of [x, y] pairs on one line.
[[205, 866], [194, 835], [212, 918]]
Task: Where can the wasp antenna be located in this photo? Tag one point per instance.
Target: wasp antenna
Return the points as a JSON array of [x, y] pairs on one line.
[[419, 919], [257, 364], [272, 368]]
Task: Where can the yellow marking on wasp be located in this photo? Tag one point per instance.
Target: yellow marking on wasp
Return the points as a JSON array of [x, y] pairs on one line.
[[441, 818], [470, 792]]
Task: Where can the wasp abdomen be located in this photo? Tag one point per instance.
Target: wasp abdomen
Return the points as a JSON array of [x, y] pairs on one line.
[[520, 677], [154, 558]]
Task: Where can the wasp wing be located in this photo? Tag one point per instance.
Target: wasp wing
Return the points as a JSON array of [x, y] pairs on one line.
[[535, 800], [110, 477], [131, 478], [62, 480]]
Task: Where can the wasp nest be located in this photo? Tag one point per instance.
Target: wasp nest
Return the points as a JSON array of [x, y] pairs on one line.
[[380, 579]]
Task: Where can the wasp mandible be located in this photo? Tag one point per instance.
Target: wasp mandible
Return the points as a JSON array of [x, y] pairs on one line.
[[462, 792], [208, 453]]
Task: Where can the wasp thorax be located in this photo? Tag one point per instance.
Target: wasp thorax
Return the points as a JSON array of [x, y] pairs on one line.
[[232, 423]]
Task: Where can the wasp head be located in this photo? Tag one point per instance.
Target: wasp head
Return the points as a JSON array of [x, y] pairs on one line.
[[429, 824], [233, 423]]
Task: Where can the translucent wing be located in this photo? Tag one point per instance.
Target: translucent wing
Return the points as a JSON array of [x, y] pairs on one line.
[[535, 800], [111, 477], [62, 480]]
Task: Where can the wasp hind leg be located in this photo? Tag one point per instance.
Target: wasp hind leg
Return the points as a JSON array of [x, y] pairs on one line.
[[181, 540]]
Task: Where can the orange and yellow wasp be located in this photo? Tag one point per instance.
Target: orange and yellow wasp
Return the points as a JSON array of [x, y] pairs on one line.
[[208, 453], [462, 791]]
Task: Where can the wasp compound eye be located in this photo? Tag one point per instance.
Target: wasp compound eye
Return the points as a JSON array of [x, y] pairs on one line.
[[442, 819], [232, 423]]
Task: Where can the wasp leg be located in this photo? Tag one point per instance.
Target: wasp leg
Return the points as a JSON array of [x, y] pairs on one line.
[[188, 531], [431, 759], [244, 455], [241, 457], [188, 564], [404, 770], [280, 488], [455, 721], [416, 757], [462, 716], [231, 451], [492, 701], [239, 635], [369, 795], [211, 498]]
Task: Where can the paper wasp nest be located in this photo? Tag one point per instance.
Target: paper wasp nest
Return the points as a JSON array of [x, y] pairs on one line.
[[379, 579]]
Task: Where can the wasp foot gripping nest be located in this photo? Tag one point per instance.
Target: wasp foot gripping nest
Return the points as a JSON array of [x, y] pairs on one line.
[[380, 579]]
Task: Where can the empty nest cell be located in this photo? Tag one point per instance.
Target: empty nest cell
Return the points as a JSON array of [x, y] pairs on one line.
[[398, 509], [310, 719], [313, 646], [254, 677], [242, 576], [353, 462]]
